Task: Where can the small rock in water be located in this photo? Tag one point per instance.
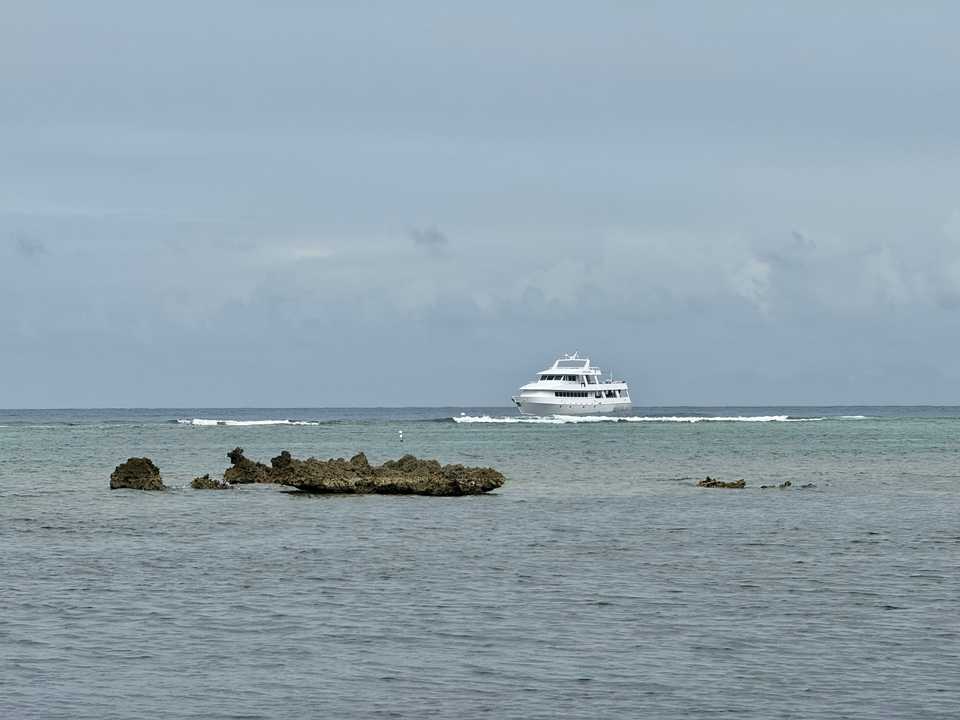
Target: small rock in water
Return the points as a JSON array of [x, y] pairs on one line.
[[137, 474], [781, 486], [808, 486], [710, 482], [206, 482]]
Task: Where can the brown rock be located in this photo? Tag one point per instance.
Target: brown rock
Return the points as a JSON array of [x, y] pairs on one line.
[[137, 474], [407, 476], [207, 483], [281, 461], [710, 482], [244, 470]]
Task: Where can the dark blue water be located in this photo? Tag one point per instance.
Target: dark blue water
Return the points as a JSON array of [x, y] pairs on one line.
[[600, 582]]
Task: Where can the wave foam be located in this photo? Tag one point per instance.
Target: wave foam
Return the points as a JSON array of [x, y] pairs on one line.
[[575, 419], [207, 422]]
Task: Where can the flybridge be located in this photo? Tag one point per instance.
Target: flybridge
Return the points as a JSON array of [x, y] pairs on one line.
[[582, 368], [572, 361]]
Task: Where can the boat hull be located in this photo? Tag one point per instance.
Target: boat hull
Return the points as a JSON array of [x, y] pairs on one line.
[[528, 407]]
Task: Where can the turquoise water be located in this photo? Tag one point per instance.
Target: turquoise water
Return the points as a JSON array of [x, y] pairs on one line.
[[599, 582]]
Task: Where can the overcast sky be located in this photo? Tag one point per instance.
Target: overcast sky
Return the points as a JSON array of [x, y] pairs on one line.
[[382, 203]]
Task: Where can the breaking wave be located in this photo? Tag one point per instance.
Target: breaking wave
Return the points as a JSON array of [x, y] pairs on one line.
[[208, 422], [576, 419]]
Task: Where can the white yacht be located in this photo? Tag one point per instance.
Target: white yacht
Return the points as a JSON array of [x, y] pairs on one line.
[[571, 386]]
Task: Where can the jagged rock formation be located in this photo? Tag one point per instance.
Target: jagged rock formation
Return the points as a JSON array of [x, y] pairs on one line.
[[710, 482], [205, 482], [407, 476], [137, 474], [244, 470]]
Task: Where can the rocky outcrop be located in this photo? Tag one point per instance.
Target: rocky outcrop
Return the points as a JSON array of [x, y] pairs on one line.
[[137, 474], [407, 476], [710, 482], [206, 482], [243, 470]]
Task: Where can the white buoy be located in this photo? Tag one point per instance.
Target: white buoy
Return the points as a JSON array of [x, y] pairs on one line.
[[400, 433]]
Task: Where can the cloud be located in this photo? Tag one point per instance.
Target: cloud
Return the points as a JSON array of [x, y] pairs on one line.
[[752, 282], [28, 247], [430, 239]]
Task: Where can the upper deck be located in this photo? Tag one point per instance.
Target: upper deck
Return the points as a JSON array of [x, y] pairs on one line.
[[573, 369], [571, 365]]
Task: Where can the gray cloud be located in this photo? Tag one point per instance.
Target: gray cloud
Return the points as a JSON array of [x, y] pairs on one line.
[[27, 246], [430, 239]]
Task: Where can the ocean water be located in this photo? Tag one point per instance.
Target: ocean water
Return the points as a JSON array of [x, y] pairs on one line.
[[599, 582]]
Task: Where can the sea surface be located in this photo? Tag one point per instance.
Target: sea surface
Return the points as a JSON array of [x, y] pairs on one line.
[[599, 582]]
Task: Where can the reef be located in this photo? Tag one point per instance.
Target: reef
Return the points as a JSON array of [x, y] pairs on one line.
[[782, 486], [710, 482], [407, 476], [137, 474]]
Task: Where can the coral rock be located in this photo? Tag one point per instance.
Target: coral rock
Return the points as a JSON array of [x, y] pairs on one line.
[[244, 470], [710, 482], [207, 483], [407, 476], [137, 474]]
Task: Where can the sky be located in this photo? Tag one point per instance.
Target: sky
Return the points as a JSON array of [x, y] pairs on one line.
[[301, 204]]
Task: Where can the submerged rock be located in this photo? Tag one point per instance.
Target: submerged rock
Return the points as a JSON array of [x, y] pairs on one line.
[[710, 482], [137, 474], [782, 486], [206, 482], [407, 476], [244, 470]]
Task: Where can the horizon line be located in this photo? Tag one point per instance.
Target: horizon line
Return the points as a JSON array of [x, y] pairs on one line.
[[498, 407]]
